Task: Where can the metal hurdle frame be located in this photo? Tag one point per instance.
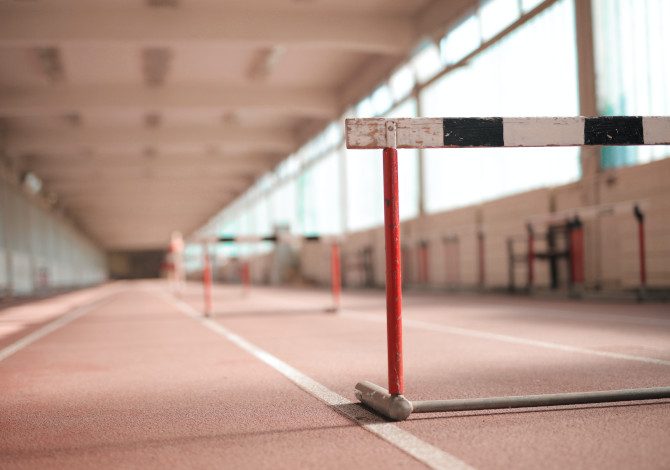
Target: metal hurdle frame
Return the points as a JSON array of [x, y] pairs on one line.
[[335, 269], [581, 214], [392, 134]]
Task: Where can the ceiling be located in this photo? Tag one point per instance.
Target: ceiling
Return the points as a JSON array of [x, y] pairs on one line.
[[148, 116]]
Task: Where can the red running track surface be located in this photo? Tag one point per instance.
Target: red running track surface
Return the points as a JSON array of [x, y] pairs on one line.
[[136, 383]]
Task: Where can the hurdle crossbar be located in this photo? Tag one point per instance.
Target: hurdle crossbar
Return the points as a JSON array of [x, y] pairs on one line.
[[589, 212], [335, 269], [391, 134]]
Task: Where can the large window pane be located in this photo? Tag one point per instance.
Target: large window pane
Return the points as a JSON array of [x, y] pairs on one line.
[[496, 15], [532, 72], [633, 68]]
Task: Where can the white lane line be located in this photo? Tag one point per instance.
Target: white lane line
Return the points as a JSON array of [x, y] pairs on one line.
[[435, 327], [602, 317], [408, 443], [50, 327]]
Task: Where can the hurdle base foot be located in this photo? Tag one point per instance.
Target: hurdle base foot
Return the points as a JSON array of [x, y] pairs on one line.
[[395, 407]]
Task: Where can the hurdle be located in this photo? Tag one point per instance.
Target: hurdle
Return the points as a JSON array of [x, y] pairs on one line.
[[574, 218], [245, 275], [392, 134], [572, 229]]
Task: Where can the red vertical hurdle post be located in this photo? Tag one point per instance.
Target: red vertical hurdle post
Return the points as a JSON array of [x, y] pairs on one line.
[[639, 215], [393, 272], [335, 275], [207, 279], [389, 134], [531, 257], [576, 252], [480, 251], [423, 262], [246, 277]]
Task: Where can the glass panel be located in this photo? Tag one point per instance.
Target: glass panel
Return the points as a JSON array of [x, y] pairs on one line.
[[535, 75], [321, 197], [364, 189], [427, 62], [464, 39], [381, 99], [496, 15], [633, 68], [528, 5], [402, 82]]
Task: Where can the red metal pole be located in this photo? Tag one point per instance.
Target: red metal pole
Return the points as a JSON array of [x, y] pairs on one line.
[[393, 272], [577, 252], [482, 277], [639, 215], [246, 281], [335, 274], [423, 263], [207, 280], [531, 257]]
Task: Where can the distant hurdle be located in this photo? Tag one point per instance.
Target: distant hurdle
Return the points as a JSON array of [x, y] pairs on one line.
[[335, 262], [392, 134], [570, 223]]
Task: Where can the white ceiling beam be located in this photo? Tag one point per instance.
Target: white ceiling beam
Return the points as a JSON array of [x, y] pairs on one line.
[[162, 189], [40, 25], [63, 98], [34, 140], [230, 171]]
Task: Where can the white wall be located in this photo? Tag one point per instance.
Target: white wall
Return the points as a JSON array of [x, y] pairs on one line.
[[40, 250]]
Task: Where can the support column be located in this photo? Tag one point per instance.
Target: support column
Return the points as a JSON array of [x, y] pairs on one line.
[[421, 182], [7, 214], [642, 253], [206, 280], [344, 210], [590, 156], [335, 275]]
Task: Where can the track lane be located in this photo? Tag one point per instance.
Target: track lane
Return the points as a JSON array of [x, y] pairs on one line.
[[448, 366], [134, 383]]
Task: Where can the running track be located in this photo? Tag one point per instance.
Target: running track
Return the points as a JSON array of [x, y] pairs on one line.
[[127, 375]]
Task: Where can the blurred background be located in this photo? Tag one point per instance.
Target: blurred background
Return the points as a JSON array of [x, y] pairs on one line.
[[123, 122]]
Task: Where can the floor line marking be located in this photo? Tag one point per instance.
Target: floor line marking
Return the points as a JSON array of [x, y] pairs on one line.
[[426, 453], [508, 338], [52, 326], [605, 317]]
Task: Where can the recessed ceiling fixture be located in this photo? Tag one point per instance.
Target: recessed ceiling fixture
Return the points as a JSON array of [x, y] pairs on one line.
[[230, 117], [150, 153], [31, 182], [73, 119], [152, 120], [51, 63], [162, 3], [155, 65], [265, 62]]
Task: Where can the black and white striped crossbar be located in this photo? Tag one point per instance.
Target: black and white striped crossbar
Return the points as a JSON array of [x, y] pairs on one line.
[[591, 212], [376, 133], [271, 238], [245, 239]]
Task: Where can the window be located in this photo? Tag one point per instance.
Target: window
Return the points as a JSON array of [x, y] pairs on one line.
[[496, 15], [532, 72], [464, 39], [426, 62], [320, 199], [633, 68], [401, 82]]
